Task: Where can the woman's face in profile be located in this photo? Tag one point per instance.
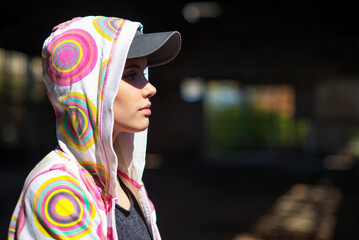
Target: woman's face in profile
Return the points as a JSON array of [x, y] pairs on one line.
[[132, 103]]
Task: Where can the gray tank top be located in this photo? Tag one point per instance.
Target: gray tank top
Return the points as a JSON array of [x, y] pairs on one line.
[[130, 223]]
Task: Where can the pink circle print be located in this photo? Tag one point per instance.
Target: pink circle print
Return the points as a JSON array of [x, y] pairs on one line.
[[71, 57]]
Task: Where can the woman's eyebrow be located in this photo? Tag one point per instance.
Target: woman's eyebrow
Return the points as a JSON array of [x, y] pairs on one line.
[[133, 66]]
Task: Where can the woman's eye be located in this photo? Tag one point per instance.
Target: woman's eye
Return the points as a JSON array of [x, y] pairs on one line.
[[130, 76]]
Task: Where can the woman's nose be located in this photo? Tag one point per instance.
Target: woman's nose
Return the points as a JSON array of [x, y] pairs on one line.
[[149, 90]]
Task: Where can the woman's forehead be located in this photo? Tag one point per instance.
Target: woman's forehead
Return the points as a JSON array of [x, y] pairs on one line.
[[140, 62]]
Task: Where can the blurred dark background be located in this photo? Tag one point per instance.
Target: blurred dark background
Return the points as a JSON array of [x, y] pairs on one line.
[[254, 132]]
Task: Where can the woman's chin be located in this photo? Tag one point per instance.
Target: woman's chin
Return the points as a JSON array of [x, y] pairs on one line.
[[134, 127], [140, 127]]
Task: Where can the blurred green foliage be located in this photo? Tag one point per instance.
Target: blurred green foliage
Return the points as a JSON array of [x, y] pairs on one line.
[[235, 127]]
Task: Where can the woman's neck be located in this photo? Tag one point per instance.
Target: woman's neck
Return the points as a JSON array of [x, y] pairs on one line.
[[123, 198]]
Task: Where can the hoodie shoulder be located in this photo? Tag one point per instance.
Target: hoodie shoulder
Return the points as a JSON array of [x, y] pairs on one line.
[[57, 203]]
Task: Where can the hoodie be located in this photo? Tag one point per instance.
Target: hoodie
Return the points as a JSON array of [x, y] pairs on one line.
[[71, 193]]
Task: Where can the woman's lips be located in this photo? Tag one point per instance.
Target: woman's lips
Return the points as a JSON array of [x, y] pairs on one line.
[[146, 110]]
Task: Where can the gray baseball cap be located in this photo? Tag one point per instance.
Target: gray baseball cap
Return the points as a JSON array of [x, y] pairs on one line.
[[160, 48]]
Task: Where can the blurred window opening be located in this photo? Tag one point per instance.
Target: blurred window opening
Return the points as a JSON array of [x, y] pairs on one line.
[[337, 99], [21, 88], [20, 77], [192, 12], [250, 117], [192, 89]]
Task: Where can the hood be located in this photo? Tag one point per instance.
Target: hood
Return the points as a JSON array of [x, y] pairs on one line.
[[83, 62]]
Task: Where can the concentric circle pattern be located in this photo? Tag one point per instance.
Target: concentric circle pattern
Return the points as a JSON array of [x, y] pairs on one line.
[[108, 27], [79, 124], [93, 189], [61, 207], [71, 56], [98, 172], [103, 77]]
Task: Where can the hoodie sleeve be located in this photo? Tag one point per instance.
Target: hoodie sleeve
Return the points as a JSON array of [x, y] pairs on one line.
[[56, 205]]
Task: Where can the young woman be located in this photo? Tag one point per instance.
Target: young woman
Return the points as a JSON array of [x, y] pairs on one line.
[[90, 187]]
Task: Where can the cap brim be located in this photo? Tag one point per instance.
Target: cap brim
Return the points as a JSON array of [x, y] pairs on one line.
[[160, 48]]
